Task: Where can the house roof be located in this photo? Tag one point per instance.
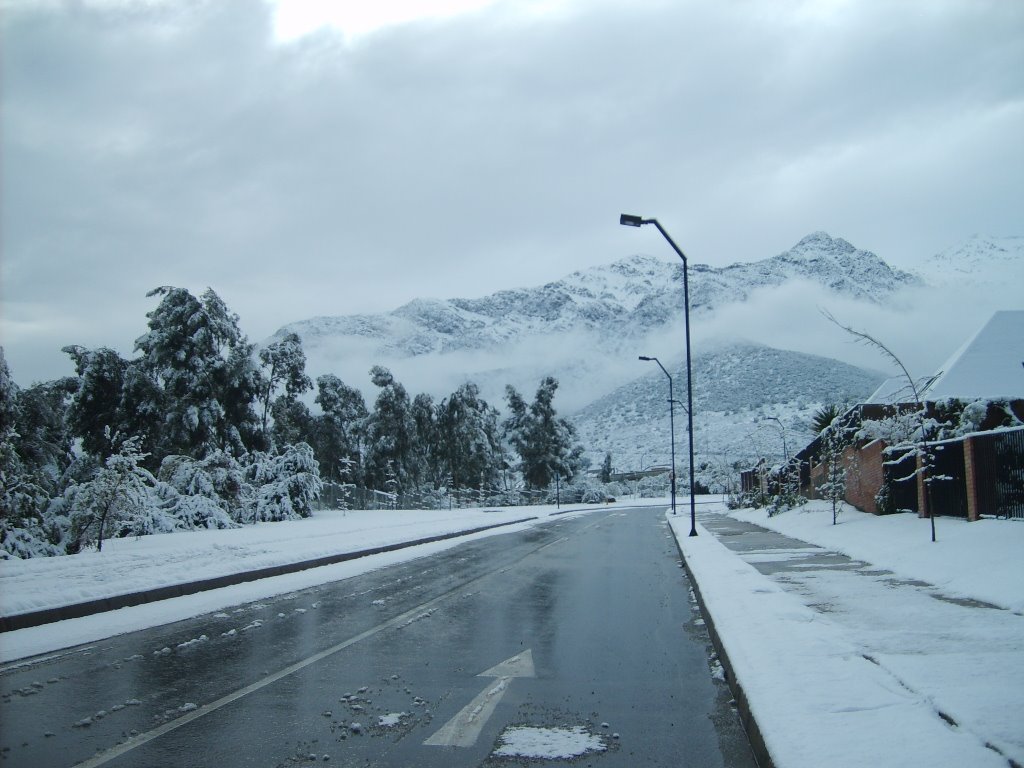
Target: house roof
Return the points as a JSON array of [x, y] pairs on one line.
[[990, 365]]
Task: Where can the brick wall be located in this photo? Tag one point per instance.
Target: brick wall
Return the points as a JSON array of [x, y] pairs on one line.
[[864, 475], [817, 480]]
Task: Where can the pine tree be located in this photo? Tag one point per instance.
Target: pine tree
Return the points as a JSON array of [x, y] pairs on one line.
[[834, 440], [202, 366]]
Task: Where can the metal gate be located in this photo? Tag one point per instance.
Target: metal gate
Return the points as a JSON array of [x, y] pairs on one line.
[[902, 480], [999, 473], [947, 480]]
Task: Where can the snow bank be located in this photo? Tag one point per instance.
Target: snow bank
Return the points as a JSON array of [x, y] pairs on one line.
[[132, 565], [815, 698]]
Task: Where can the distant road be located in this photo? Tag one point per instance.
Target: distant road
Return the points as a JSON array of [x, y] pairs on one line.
[[575, 635]]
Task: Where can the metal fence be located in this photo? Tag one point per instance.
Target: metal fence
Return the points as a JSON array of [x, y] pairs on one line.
[[999, 473], [337, 496]]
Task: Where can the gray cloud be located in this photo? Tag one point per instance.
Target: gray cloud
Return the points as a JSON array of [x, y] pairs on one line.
[[148, 144]]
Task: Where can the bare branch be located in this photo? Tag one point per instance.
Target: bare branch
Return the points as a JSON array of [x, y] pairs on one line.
[[866, 338]]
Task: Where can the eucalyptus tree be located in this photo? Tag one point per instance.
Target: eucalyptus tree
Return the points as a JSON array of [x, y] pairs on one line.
[[284, 363], [469, 439], [338, 432], [390, 433], [547, 444]]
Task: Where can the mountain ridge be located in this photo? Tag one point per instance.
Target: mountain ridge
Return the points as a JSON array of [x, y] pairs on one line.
[[625, 299], [587, 328]]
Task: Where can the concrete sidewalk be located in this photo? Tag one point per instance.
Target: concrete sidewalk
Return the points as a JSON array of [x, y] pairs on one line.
[[826, 670]]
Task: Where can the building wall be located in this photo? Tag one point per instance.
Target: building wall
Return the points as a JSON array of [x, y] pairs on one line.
[[864, 475]]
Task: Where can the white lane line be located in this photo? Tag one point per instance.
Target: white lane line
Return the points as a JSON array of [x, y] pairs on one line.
[[104, 757], [137, 741], [464, 729]]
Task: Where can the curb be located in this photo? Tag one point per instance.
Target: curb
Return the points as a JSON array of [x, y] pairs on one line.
[[100, 605], [750, 726]]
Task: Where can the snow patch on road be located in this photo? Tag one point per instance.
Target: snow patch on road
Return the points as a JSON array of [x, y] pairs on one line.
[[548, 743]]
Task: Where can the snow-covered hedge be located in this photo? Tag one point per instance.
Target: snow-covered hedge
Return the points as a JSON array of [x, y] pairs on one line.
[[121, 498]]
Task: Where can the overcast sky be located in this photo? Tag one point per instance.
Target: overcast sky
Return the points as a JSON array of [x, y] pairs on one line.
[[308, 163]]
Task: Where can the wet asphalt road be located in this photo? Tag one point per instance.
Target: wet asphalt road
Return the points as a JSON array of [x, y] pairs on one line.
[[600, 602]]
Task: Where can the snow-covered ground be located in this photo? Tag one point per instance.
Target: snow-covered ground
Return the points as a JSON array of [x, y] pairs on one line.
[[851, 665], [137, 564]]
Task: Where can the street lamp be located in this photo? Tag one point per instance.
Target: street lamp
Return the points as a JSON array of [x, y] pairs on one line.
[[786, 467], [782, 428], [672, 425], [627, 220]]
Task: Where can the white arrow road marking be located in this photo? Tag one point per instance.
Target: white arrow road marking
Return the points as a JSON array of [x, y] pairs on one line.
[[464, 729]]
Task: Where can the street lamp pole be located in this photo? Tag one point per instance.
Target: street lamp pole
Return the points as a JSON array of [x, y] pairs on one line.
[[672, 425], [782, 428], [628, 220]]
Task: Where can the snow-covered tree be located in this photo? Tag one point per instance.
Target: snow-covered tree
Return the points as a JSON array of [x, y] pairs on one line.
[[468, 439], [389, 434], [239, 384], [292, 423], [426, 458], [113, 501], [285, 367], [35, 454], [924, 432], [114, 399], [339, 431], [835, 437], [288, 484], [96, 413], [22, 495], [212, 492], [202, 364], [547, 445]]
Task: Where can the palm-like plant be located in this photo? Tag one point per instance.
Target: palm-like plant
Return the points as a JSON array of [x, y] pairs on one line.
[[824, 417]]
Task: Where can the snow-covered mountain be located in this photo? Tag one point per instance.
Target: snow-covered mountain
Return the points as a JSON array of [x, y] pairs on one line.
[[585, 329], [627, 299], [739, 390], [588, 328], [980, 260]]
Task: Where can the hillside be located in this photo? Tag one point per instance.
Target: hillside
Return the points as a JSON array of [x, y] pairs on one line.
[[588, 328], [584, 329], [735, 386]]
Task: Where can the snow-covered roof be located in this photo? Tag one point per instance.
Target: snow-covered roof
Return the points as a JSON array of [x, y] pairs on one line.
[[891, 391], [989, 365]]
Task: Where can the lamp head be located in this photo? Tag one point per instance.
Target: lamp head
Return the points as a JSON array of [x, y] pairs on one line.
[[646, 359], [628, 220]]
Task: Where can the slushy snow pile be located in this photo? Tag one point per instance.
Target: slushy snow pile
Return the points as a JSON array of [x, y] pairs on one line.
[[548, 743]]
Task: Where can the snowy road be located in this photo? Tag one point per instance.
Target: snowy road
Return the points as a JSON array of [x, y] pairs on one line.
[[574, 637]]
